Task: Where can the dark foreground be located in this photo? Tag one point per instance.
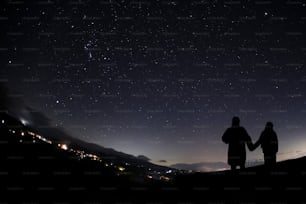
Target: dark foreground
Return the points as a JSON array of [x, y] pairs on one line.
[[41, 173]]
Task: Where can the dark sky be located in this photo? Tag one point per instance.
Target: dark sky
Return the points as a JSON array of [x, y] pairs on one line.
[[160, 78]]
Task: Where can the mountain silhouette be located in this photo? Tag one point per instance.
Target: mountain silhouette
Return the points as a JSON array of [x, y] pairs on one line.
[[59, 137]]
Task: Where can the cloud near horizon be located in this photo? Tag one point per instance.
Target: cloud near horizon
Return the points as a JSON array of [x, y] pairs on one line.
[[144, 158], [202, 166]]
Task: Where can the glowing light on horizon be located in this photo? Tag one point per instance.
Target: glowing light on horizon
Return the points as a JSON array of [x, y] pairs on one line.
[[63, 146], [24, 121]]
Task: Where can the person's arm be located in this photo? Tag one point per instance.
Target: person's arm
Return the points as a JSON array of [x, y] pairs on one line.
[[249, 141], [225, 136], [258, 142]]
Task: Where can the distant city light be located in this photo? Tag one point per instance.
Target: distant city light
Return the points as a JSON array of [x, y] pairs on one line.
[[2, 121], [169, 172], [39, 137], [121, 168], [164, 178], [63, 146]]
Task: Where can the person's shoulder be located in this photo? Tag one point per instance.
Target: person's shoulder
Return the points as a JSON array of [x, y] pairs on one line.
[[265, 133], [262, 134], [229, 128], [242, 128], [274, 132], [268, 131]]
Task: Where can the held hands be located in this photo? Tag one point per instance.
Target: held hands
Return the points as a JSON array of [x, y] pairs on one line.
[[251, 146]]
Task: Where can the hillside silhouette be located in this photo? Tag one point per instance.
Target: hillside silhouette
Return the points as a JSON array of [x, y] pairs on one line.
[[36, 169]]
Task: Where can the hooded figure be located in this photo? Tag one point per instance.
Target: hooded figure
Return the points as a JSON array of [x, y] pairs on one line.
[[237, 137], [269, 144]]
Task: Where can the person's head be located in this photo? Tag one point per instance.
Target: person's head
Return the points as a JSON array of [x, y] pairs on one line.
[[235, 121], [269, 125]]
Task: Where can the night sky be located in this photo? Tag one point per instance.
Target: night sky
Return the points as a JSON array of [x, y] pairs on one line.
[[160, 78]]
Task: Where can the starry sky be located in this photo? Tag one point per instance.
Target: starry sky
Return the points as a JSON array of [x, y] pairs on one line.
[[160, 78]]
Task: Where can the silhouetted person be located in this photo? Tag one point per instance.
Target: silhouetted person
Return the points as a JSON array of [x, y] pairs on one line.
[[236, 137], [269, 144]]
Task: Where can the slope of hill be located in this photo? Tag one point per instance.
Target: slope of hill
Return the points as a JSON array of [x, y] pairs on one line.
[[80, 149], [33, 170], [36, 167], [59, 136]]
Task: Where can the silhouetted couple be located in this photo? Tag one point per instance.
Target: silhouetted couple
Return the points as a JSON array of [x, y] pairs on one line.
[[237, 138]]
